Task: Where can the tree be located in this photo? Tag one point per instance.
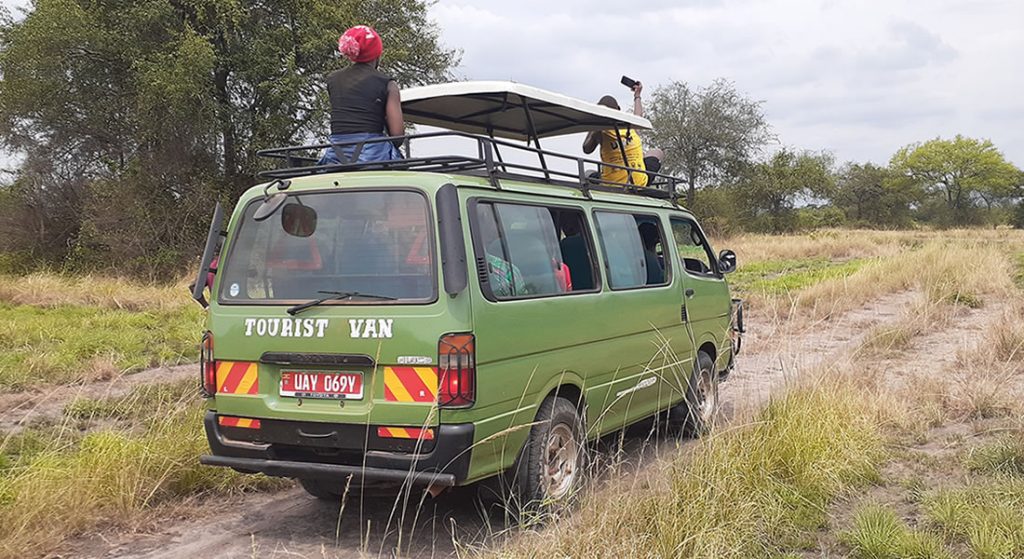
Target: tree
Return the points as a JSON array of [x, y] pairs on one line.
[[963, 172], [872, 195], [160, 105], [769, 192], [709, 135]]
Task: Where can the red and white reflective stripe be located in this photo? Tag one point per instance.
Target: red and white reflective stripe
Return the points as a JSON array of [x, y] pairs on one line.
[[405, 433], [243, 422], [237, 377]]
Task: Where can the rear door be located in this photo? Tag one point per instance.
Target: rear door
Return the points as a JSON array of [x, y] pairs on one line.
[[366, 355]]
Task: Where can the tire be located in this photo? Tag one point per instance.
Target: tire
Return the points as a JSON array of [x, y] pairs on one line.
[[325, 490], [551, 465], [696, 414]]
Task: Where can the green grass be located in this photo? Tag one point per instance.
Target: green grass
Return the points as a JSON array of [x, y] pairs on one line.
[[1018, 269], [878, 534], [68, 342], [759, 490], [1002, 457], [780, 276], [58, 482], [988, 516]]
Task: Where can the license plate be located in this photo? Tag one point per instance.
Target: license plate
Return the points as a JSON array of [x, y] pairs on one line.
[[336, 386]]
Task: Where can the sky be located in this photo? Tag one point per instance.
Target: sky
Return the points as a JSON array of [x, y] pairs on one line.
[[857, 78]]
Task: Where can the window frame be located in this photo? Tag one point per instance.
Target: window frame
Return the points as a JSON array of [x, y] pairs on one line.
[[431, 241], [476, 242], [714, 273], [661, 231]]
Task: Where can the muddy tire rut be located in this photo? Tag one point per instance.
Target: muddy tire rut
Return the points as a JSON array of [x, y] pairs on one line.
[[289, 523]]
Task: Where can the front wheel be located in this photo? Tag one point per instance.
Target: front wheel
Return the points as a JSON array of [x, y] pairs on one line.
[[697, 413]]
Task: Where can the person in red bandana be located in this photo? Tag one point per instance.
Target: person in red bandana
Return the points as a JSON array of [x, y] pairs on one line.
[[365, 103]]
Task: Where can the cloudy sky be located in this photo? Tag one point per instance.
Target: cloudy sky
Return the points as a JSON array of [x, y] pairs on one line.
[[858, 78]]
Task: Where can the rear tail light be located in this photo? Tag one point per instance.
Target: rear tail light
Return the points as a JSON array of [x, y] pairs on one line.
[[456, 363], [207, 366]]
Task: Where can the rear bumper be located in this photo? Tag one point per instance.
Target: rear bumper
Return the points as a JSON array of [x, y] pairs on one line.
[[445, 462]]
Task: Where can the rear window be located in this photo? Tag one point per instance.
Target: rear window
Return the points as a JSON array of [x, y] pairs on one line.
[[375, 243]]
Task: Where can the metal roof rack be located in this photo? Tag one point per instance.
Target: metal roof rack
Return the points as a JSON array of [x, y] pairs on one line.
[[483, 112], [298, 161]]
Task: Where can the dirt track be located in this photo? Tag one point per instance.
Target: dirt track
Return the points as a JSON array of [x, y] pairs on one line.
[[291, 524]]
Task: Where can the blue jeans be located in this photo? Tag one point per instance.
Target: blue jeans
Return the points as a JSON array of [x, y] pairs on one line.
[[377, 151]]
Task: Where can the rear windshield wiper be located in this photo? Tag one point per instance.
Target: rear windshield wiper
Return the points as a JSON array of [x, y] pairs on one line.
[[335, 296]]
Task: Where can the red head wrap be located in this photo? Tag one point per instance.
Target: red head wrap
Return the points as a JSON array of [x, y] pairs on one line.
[[361, 44]]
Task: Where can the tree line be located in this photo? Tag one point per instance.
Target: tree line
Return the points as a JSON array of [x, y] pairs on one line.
[[131, 117], [740, 179]]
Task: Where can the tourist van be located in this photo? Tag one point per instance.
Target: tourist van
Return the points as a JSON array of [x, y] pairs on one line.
[[444, 319]]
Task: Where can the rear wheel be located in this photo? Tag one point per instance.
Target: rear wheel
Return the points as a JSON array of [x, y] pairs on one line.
[[697, 413], [551, 465], [323, 489]]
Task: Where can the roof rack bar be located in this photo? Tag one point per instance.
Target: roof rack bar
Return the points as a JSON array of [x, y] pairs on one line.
[[536, 140], [487, 148], [299, 163], [581, 172]]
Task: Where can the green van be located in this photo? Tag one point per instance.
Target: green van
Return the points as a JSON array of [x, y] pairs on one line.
[[440, 320]]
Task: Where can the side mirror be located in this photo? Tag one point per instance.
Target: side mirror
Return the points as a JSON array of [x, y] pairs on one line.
[[298, 220], [726, 262]]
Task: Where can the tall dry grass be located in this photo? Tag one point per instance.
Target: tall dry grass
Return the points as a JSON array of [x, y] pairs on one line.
[[760, 488], [749, 491], [48, 290], [843, 244], [944, 272], [108, 477]]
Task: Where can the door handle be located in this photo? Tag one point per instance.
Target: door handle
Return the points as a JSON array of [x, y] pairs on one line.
[[317, 435], [689, 292]]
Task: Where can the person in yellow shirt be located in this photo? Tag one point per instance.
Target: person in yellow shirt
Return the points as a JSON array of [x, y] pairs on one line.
[[614, 143]]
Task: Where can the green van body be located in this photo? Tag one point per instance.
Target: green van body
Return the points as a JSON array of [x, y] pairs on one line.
[[619, 355]]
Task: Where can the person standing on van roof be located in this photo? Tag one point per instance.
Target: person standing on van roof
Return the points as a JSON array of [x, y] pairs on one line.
[[364, 102], [616, 142]]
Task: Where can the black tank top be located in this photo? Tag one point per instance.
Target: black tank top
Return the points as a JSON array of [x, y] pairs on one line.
[[358, 95]]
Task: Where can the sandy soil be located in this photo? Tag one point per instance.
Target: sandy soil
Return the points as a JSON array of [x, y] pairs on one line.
[[20, 409], [291, 524]]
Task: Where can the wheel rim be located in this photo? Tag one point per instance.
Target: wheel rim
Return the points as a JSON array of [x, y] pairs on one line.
[[561, 455], [708, 398]]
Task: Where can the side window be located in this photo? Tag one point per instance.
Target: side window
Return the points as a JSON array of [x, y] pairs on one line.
[[521, 247], [577, 254], [693, 249], [633, 248]]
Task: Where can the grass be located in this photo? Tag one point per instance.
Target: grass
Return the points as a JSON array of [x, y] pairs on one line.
[[760, 487], [987, 516], [757, 490], [919, 319], [780, 276], [877, 533], [943, 271], [1003, 457], [59, 483], [49, 290], [72, 343]]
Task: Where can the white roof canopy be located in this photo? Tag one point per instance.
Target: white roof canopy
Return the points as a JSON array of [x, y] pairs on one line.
[[509, 110]]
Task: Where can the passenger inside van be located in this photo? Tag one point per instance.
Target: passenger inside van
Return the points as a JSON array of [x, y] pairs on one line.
[[505, 279], [575, 254], [650, 237]]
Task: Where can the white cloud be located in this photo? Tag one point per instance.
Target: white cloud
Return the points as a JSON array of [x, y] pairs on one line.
[[858, 78]]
